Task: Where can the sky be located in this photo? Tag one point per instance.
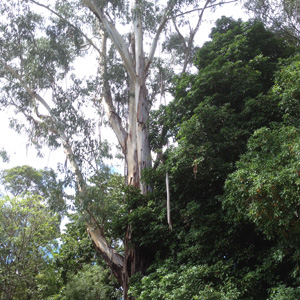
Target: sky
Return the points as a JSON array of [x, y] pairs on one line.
[[16, 145]]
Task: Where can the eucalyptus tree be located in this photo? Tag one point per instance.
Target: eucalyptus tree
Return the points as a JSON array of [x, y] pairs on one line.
[[39, 43]]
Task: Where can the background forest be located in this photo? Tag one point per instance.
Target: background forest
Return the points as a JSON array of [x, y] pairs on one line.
[[228, 144]]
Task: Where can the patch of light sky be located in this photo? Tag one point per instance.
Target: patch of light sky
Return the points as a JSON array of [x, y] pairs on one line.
[[17, 147]]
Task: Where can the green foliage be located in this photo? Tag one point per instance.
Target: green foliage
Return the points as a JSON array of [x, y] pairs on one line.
[[21, 180], [213, 115], [264, 189], [146, 216], [239, 247], [76, 269], [28, 233], [92, 282], [218, 109], [4, 156], [285, 293], [187, 282], [148, 224], [72, 262], [286, 89], [37, 53], [158, 128], [75, 250], [265, 186], [235, 70], [281, 15]]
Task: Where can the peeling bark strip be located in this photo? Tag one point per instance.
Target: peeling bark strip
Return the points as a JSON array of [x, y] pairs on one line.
[[168, 202]]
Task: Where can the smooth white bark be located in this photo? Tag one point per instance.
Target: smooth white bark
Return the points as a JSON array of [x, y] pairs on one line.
[[103, 246], [168, 202], [114, 35]]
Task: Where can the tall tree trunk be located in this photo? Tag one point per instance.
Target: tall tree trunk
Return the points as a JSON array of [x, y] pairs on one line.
[[138, 155], [135, 146]]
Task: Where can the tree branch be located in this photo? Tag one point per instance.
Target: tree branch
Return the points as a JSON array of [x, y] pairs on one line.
[[67, 148], [159, 30], [115, 36], [198, 9], [32, 93], [65, 20], [114, 260], [200, 19], [192, 35], [167, 17], [179, 33], [113, 117]]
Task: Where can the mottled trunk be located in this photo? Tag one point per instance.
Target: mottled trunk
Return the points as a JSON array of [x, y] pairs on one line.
[[137, 159], [138, 155], [133, 140]]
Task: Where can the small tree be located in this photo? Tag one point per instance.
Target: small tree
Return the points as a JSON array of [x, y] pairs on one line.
[[21, 180], [27, 232]]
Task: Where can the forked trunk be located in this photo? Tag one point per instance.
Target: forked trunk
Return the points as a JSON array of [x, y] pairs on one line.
[[135, 142]]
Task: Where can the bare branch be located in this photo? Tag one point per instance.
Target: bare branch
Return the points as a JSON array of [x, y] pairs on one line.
[[168, 202], [168, 16], [180, 34], [199, 9], [192, 35], [200, 18]]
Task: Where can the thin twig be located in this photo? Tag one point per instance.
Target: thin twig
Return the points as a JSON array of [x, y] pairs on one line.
[[198, 9]]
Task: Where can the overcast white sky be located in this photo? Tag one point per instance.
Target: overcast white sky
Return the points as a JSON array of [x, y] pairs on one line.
[[16, 145]]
